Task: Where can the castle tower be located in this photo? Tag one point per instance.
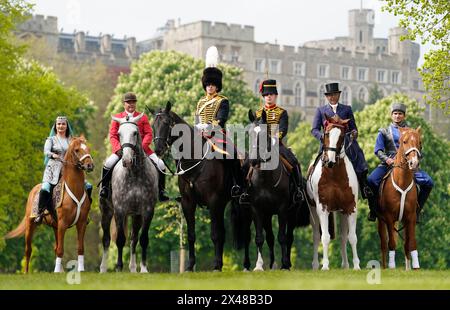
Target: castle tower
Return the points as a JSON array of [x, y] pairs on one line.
[[361, 24]]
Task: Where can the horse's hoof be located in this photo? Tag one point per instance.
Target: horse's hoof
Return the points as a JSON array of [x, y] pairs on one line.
[[246, 270], [217, 270], [356, 268], [258, 269], [325, 268]]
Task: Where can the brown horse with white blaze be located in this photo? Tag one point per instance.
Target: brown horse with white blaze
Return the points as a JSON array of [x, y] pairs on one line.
[[73, 210], [398, 201], [333, 186]]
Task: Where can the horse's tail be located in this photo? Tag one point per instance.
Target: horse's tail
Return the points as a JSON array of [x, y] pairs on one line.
[[18, 231], [331, 225], [240, 223]]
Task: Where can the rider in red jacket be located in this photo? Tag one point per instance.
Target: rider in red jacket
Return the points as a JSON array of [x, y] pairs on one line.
[[129, 102]]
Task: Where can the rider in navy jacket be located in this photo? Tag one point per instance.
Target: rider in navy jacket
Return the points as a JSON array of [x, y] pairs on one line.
[[353, 150]]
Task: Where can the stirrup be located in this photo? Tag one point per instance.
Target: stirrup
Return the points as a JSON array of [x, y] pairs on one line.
[[371, 217], [367, 192], [39, 218], [104, 192], [244, 199], [298, 196], [236, 191]]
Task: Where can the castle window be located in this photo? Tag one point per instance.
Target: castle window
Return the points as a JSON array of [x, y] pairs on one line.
[[323, 70], [346, 73], [363, 94], [360, 36], [298, 95], [257, 85], [396, 77], [259, 65], [299, 68], [381, 76], [346, 96], [363, 74], [275, 66]]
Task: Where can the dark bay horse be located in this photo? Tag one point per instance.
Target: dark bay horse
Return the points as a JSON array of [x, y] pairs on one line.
[[333, 186], [74, 208], [270, 194], [201, 181], [398, 201], [134, 185]]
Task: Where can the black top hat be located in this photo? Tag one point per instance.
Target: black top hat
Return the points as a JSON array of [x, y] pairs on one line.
[[268, 87], [129, 97], [212, 75], [332, 88]]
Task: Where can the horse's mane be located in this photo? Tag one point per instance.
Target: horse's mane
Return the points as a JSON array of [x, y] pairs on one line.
[[178, 119]]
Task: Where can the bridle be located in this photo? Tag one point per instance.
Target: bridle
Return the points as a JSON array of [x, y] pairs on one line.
[[165, 139], [337, 149]]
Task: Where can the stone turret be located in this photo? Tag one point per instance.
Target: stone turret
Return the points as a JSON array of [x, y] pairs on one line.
[[361, 23]]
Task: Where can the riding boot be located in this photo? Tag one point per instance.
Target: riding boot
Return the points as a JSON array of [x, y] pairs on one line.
[[373, 206], [106, 181], [297, 175], [238, 182], [423, 196], [244, 199], [366, 191], [43, 204], [162, 187], [89, 193]]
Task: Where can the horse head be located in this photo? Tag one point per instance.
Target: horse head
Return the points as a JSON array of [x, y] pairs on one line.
[[333, 139], [411, 146], [260, 141], [163, 124], [129, 138], [79, 154]]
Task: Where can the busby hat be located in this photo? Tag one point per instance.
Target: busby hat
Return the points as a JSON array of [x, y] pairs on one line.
[[268, 87], [211, 74], [129, 96], [398, 107], [332, 88]]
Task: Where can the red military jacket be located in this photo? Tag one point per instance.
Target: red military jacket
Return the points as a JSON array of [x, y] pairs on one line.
[[145, 130]]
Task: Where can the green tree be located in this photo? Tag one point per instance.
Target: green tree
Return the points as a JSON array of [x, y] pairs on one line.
[[32, 96], [375, 94], [429, 21], [158, 77]]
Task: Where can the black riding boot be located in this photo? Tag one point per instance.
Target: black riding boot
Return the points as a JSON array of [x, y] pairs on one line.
[[423, 196], [297, 175], [373, 206], [238, 180], [44, 203], [162, 187], [106, 181], [366, 191], [89, 193]]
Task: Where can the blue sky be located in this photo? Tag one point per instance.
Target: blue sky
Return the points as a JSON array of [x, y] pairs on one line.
[[288, 22]]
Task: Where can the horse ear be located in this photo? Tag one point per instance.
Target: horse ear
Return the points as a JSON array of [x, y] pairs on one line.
[[251, 116], [149, 110], [345, 121], [263, 117], [328, 118], [168, 106], [419, 130]]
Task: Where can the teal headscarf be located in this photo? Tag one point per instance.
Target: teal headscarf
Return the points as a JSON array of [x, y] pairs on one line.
[[69, 132]]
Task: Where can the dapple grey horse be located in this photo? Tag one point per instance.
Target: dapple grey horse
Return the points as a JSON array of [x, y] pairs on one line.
[[134, 185]]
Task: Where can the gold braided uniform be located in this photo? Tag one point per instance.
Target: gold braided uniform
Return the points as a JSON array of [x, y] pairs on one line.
[[275, 116], [207, 108]]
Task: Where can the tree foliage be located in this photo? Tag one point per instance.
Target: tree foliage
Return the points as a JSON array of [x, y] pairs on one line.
[[159, 76], [429, 21], [32, 96]]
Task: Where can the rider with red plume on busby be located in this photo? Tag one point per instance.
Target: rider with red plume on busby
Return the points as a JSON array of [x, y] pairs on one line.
[[213, 110]]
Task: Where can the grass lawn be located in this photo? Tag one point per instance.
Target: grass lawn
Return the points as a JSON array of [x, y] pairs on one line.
[[268, 280]]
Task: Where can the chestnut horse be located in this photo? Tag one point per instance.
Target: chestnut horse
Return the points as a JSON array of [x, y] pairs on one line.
[[74, 208], [398, 201], [333, 186]]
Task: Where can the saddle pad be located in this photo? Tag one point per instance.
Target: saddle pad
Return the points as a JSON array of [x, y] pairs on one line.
[[58, 193]]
